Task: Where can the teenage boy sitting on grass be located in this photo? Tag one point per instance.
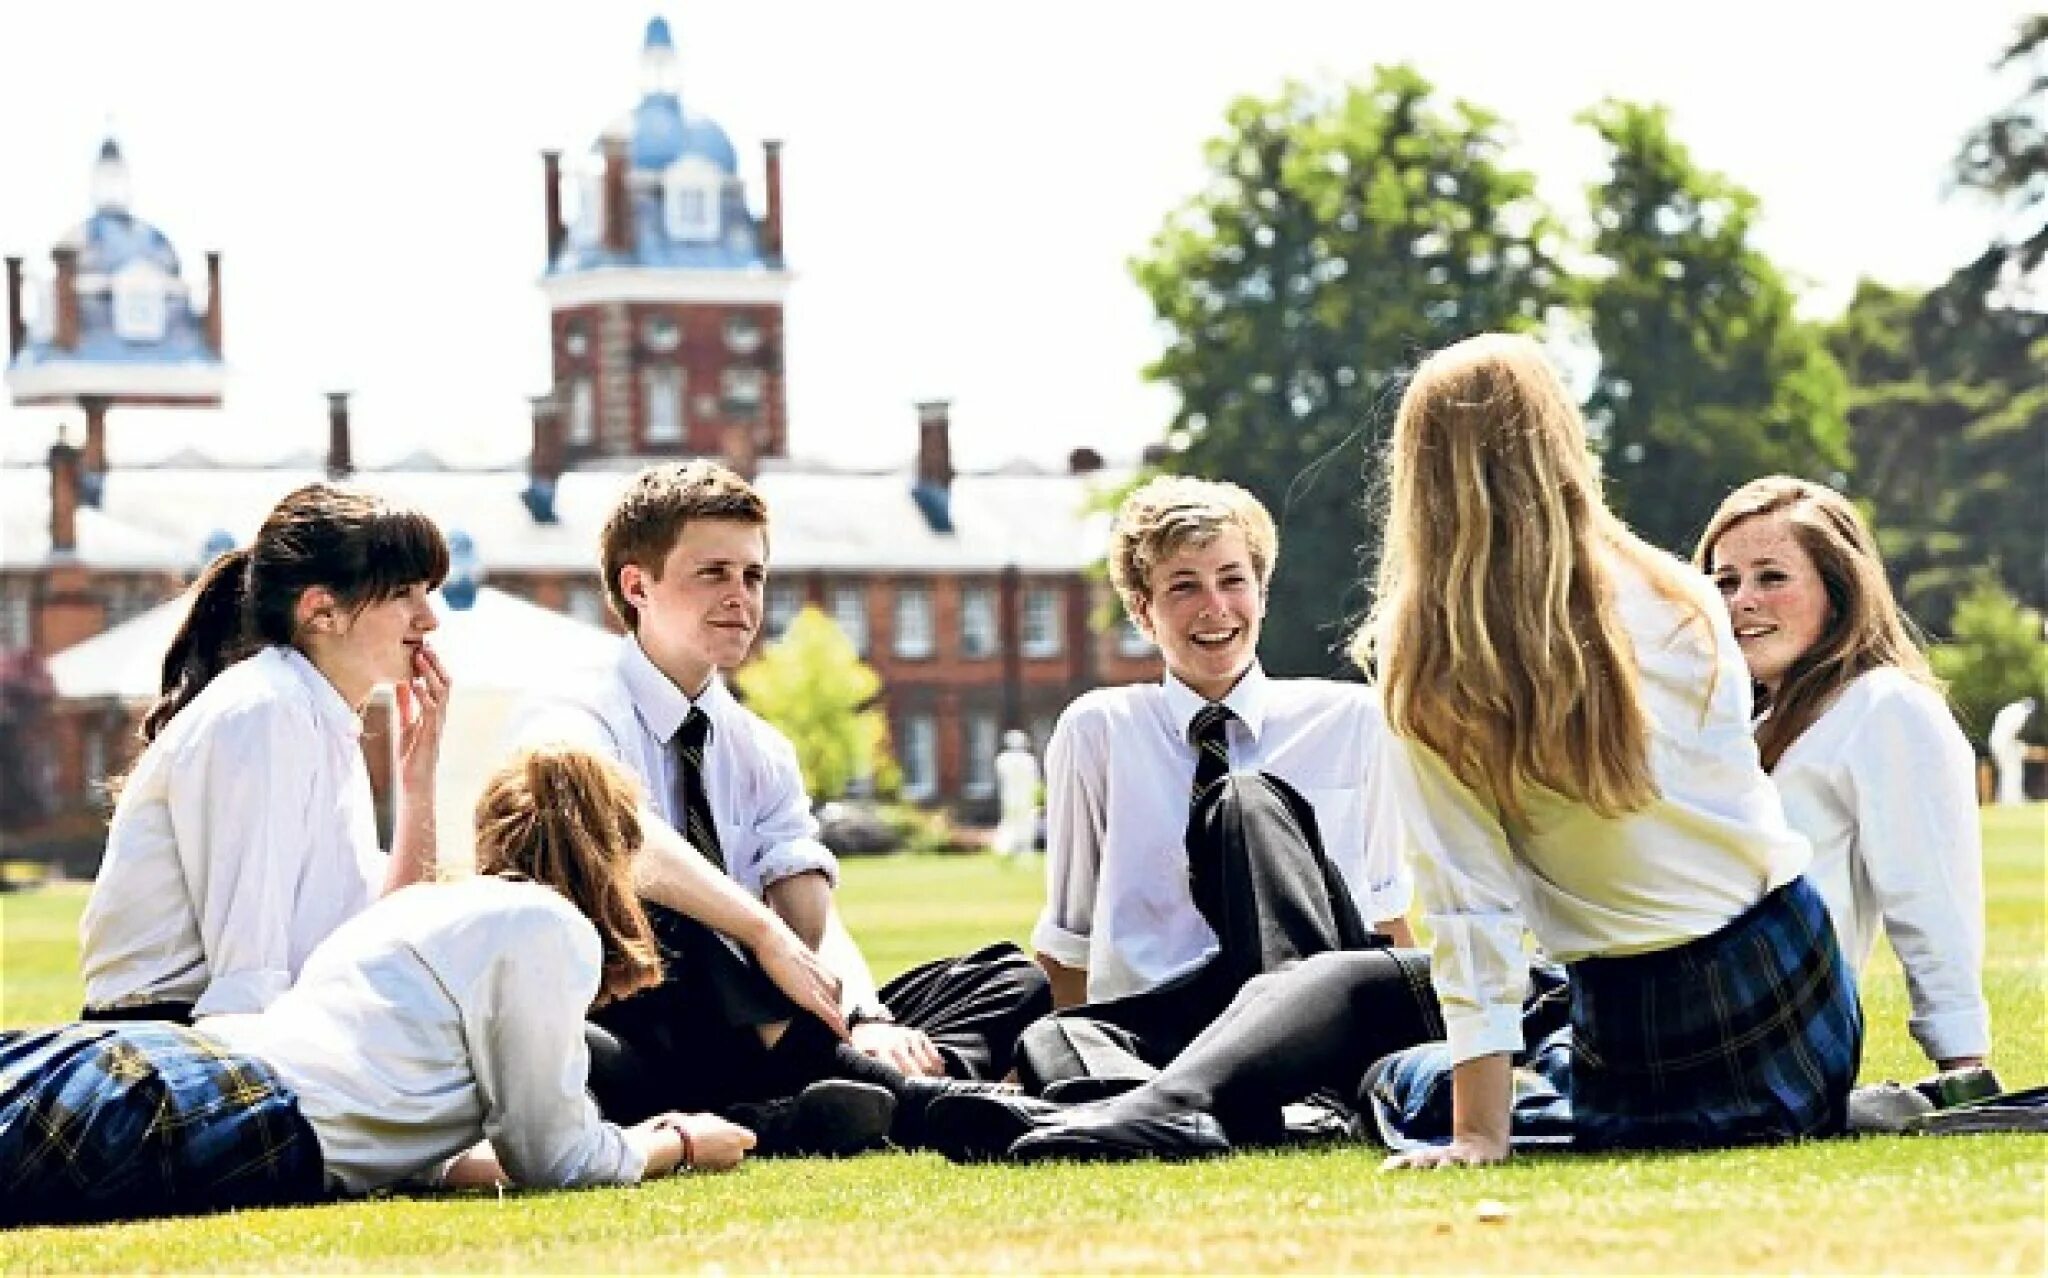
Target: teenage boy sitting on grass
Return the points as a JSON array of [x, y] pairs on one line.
[[684, 555]]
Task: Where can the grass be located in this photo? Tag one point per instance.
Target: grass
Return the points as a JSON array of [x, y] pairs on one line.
[[1960, 1204]]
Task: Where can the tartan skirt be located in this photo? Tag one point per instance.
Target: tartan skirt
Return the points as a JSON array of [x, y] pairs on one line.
[[117, 1121], [1751, 1034]]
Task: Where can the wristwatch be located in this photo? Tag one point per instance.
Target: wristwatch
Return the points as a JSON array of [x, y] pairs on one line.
[[869, 1014]]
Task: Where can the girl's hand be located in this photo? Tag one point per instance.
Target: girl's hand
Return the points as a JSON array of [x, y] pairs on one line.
[[1459, 1153], [422, 714]]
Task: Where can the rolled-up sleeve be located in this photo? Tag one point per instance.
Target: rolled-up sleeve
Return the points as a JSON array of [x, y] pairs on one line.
[[1918, 841], [525, 1031], [240, 797], [785, 832], [1076, 820], [1465, 874]]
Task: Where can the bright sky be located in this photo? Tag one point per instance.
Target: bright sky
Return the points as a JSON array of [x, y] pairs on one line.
[[964, 182]]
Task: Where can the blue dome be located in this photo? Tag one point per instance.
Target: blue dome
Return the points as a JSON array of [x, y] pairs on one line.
[[662, 134], [658, 36], [112, 238]]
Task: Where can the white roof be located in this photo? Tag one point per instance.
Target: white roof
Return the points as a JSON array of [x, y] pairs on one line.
[[496, 644], [159, 518]]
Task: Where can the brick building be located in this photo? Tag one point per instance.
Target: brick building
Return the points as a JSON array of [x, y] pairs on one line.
[[972, 594]]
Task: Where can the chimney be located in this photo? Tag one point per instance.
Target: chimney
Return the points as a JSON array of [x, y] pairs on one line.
[[340, 464], [1083, 461], [739, 451], [618, 208], [93, 464], [63, 498], [544, 466], [935, 444], [213, 328], [771, 231], [65, 331], [551, 170], [17, 326]]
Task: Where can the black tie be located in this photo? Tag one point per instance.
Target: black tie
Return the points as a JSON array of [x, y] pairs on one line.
[[698, 827], [1209, 733]]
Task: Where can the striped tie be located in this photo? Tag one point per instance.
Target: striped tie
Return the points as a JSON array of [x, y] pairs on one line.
[[1209, 733], [691, 798]]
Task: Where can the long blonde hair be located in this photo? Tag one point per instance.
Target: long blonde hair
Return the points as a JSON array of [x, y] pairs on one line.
[[1493, 635], [569, 820], [1864, 630]]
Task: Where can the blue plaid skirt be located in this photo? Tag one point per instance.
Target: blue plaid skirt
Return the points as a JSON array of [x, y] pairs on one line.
[[1751, 1034], [116, 1121]]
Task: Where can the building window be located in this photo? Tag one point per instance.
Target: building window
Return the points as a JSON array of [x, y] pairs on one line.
[[783, 603], [582, 411], [139, 305], [1041, 622], [691, 205], [744, 388], [850, 610], [575, 342], [663, 390], [660, 333], [1131, 641], [127, 601], [587, 604], [913, 622], [978, 749], [742, 334], [979, 634], [14, 621], [918, 756]]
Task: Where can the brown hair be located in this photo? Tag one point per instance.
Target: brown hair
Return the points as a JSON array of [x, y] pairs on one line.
[[1864, 629], [1166, 514], [1494, 632], [569, 820], [360, 546], [649, 517]]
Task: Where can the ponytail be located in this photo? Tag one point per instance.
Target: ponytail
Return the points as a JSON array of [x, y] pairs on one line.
[[213, 637]]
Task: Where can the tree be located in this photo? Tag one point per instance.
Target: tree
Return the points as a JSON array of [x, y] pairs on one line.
[[1343, 232], [1948, 417], [2006, 159], [813, 686], [1999, 655], [26, 695], [1707, 377]]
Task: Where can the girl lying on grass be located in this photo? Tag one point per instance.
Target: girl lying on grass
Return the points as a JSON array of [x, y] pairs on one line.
[[444, 1015]]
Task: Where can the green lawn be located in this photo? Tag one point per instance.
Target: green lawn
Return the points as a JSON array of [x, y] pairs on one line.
[[1970, 1204]]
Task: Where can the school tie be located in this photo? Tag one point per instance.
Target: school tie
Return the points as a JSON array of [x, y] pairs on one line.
[[1209, 734], [693, 803]]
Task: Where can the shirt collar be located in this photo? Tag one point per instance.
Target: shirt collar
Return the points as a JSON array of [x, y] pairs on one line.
[[1246, 701], [334, 714], [661, 705]]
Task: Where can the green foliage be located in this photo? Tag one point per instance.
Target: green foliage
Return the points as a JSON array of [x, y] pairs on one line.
[[2006, 158], [1949, 423], [813, 686], [1707, 377], [1998, 656], [1343, 232]]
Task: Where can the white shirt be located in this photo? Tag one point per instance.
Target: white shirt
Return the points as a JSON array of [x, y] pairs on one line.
[[765, 828], [1712, 845], [244, 836], [1883, 784], [1119, 771], [446, 1014]]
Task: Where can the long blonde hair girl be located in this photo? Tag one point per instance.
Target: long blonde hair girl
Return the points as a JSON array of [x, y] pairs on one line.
[[1865, 628], [1493, 635], [569, 820]]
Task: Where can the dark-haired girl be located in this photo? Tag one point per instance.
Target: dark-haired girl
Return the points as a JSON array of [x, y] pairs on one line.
[[442, 1016], [245, 833]]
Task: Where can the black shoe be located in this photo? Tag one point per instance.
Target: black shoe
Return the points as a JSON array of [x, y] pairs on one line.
[[1187, 1134], [1087, 1088], [976, 1127], [917, 1095], [833, 1117]]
